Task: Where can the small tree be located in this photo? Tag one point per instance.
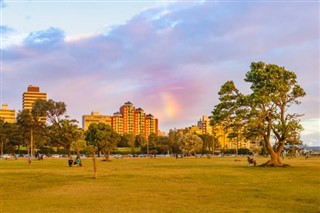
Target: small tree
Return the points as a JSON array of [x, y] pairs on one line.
[[78, 146], [103, 137], [229, 112], [93, 149], [92, 138]]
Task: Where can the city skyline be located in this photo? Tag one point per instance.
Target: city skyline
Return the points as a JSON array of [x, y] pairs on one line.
[[160, 55]]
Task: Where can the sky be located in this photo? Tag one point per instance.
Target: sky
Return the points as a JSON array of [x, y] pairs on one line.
[[169, 58]]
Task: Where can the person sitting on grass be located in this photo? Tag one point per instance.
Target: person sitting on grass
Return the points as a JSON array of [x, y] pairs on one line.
[[70, 161], [78, 161], [251, 161]]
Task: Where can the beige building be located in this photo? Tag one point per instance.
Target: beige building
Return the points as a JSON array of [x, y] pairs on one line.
[[222, 135], [229, 143], [33, 93], [204, 125], [95, 117], [7, 115]]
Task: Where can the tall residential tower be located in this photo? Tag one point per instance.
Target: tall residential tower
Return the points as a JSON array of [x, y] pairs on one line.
[[33, 93]]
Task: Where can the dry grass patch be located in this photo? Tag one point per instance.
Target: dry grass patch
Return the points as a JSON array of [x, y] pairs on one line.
[[160, 185]]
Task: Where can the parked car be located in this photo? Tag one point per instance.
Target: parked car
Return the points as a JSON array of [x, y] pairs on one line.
[[6, 156]]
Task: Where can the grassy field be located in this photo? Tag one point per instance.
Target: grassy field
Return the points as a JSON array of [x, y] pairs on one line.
[[160, 185]]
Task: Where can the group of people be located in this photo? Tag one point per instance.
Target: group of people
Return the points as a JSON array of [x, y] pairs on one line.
[[76, 162]]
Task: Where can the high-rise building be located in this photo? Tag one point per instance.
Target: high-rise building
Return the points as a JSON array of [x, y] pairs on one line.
[[117, 122], [151, 125], [128, 121], [33, 93], [95, 117], [7, 115], [127, 111], [139, 122]]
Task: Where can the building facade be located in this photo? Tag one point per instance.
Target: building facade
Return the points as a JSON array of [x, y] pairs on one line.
[[95, 117], [139, 122], [33, 93], [7, 115], [128, 120], [117, 122], [127, 110], [221, 134], [204, 125]]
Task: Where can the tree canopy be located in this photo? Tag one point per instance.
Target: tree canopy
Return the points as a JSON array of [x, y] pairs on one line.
[[265, 111], [103, 137]]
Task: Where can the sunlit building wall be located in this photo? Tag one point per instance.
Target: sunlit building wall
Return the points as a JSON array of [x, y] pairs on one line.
[[95, 117], [139, 122], [128, 121], [222, 135], [7, 115], [204, 124], [31, 95], [117, 122], [151, 125], [127, 111]]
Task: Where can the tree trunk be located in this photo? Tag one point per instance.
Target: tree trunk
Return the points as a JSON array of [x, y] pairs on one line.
[[275, 160], [95, 174], [108, 155], [1, 147]]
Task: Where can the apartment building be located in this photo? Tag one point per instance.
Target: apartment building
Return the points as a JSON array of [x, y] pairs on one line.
[[117, 122], [128, 120], [127, 110], [7, 115], [139, 122]]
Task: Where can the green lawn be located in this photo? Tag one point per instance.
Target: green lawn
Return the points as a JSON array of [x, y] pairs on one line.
[[218, 184]]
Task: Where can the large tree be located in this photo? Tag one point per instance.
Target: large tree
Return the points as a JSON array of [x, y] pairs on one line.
[[264, 113], [274, 90], [58, 126]]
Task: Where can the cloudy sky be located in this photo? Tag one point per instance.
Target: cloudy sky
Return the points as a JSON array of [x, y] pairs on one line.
[[168, 57]]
